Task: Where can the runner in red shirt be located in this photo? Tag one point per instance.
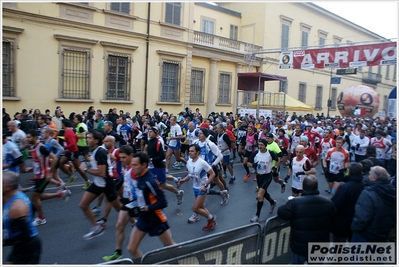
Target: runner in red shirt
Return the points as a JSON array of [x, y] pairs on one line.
[[71, 154], [311, 135]]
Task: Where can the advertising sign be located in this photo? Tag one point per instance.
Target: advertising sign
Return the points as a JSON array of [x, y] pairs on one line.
[[346, 57]]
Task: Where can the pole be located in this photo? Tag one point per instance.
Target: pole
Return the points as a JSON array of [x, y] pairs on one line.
[[146, 56], [329, 96], [257, 108]]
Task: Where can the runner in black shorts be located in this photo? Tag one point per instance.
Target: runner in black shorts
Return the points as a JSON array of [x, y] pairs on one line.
[[102, 182], [152, 220]]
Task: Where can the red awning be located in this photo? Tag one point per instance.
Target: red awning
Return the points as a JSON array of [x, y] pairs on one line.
[[254, 81]]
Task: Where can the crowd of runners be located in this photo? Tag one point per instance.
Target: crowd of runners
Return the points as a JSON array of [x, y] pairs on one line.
[[126, 158]]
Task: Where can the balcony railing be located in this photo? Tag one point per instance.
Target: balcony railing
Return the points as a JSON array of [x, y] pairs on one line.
[[224, 43], [372, 78]]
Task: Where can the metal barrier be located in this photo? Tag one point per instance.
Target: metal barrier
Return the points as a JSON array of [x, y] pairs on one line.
[[237, 246], [249, 244], [275, 242]]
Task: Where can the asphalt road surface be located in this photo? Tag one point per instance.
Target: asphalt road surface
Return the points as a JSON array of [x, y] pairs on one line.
[[66, 224]]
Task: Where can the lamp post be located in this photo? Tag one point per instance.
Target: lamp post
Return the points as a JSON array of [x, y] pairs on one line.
[[329, 96]]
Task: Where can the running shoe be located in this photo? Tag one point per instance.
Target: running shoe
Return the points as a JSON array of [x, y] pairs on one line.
[[225, 195], [232, 180], [224, 175], [181, 164], [194, 218], [39, 221], [176, 164], [328, 190], [254, 219], [101, 221], [177, 179], [282, 188], [72, 179], [96, 210], [65, 195], [94, 231], [114, 256], [60, 187], [86, 185], [247, 177], [211, 224], [180, 197], [176, 167], [272, 206]]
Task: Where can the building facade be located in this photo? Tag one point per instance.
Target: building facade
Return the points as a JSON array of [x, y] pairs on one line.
[[137, 55]]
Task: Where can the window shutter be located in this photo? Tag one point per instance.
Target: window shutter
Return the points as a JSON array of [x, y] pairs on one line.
[[125, 8]]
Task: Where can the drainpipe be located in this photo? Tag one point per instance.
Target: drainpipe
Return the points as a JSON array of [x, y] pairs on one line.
[[146, 56]]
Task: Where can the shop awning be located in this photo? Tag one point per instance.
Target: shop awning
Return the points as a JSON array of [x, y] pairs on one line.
[[255, 81]]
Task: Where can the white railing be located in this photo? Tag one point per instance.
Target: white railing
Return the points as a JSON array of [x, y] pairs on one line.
[[224, 43]]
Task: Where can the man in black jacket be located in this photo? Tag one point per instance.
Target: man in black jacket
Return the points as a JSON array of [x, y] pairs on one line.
[[345, 200], [375, 210], [307, 224]]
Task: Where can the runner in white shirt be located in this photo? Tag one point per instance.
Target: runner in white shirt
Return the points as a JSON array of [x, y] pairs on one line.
[[197, 171], [174, 143], [382, 145]]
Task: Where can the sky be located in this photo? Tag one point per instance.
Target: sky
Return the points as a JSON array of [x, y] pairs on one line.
[[380, 17]]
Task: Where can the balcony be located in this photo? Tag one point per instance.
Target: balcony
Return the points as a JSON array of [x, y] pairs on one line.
[[219, 42], [371, 78]]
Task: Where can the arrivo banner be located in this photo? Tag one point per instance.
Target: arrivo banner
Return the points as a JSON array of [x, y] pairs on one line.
[[346, 57]]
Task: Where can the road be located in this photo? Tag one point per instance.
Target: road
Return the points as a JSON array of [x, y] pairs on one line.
[[66, 223]]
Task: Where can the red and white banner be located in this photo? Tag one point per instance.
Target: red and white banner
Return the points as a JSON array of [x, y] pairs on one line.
[[346, 57]]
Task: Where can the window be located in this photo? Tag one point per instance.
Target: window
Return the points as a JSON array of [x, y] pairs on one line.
[[75, 73], [170, 81], [387, 72], [319, 97], [322, 41], [394, 73], [337, 40], [305, 36], [197, 86], [334, 91], [208, 26], [224, 88], [283, 87], [172, 14], [285, 32], [233, 32], [322, 37], [121, 7], [118, 77], [8, 70], [302, 92]]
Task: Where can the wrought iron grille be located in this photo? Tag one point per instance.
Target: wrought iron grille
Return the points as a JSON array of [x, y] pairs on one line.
[[170, 81], [75, 74], [118, 77], [8, 69]]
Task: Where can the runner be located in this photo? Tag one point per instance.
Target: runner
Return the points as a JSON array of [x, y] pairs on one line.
[[151, 220], [131, 203], [102, 182], [250, 143], [18, 229], [157, 166], [261, 161], [197, 171], [224, 144], [335, 164], [43, 171], [300, 166], [174, 143]]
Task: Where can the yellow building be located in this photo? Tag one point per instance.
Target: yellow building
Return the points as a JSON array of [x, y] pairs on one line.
[[172, 55]]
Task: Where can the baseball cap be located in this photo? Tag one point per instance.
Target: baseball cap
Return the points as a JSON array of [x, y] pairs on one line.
[[154, 129], [180, 119], [270, 135], [304, 138]]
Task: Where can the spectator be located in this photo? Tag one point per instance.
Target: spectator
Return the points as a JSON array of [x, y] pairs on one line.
[[345, 200], [375, 211], [6, 118], [307, 224], [371, 155]]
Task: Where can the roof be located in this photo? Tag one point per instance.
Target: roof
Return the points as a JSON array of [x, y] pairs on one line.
[[254, 81]]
